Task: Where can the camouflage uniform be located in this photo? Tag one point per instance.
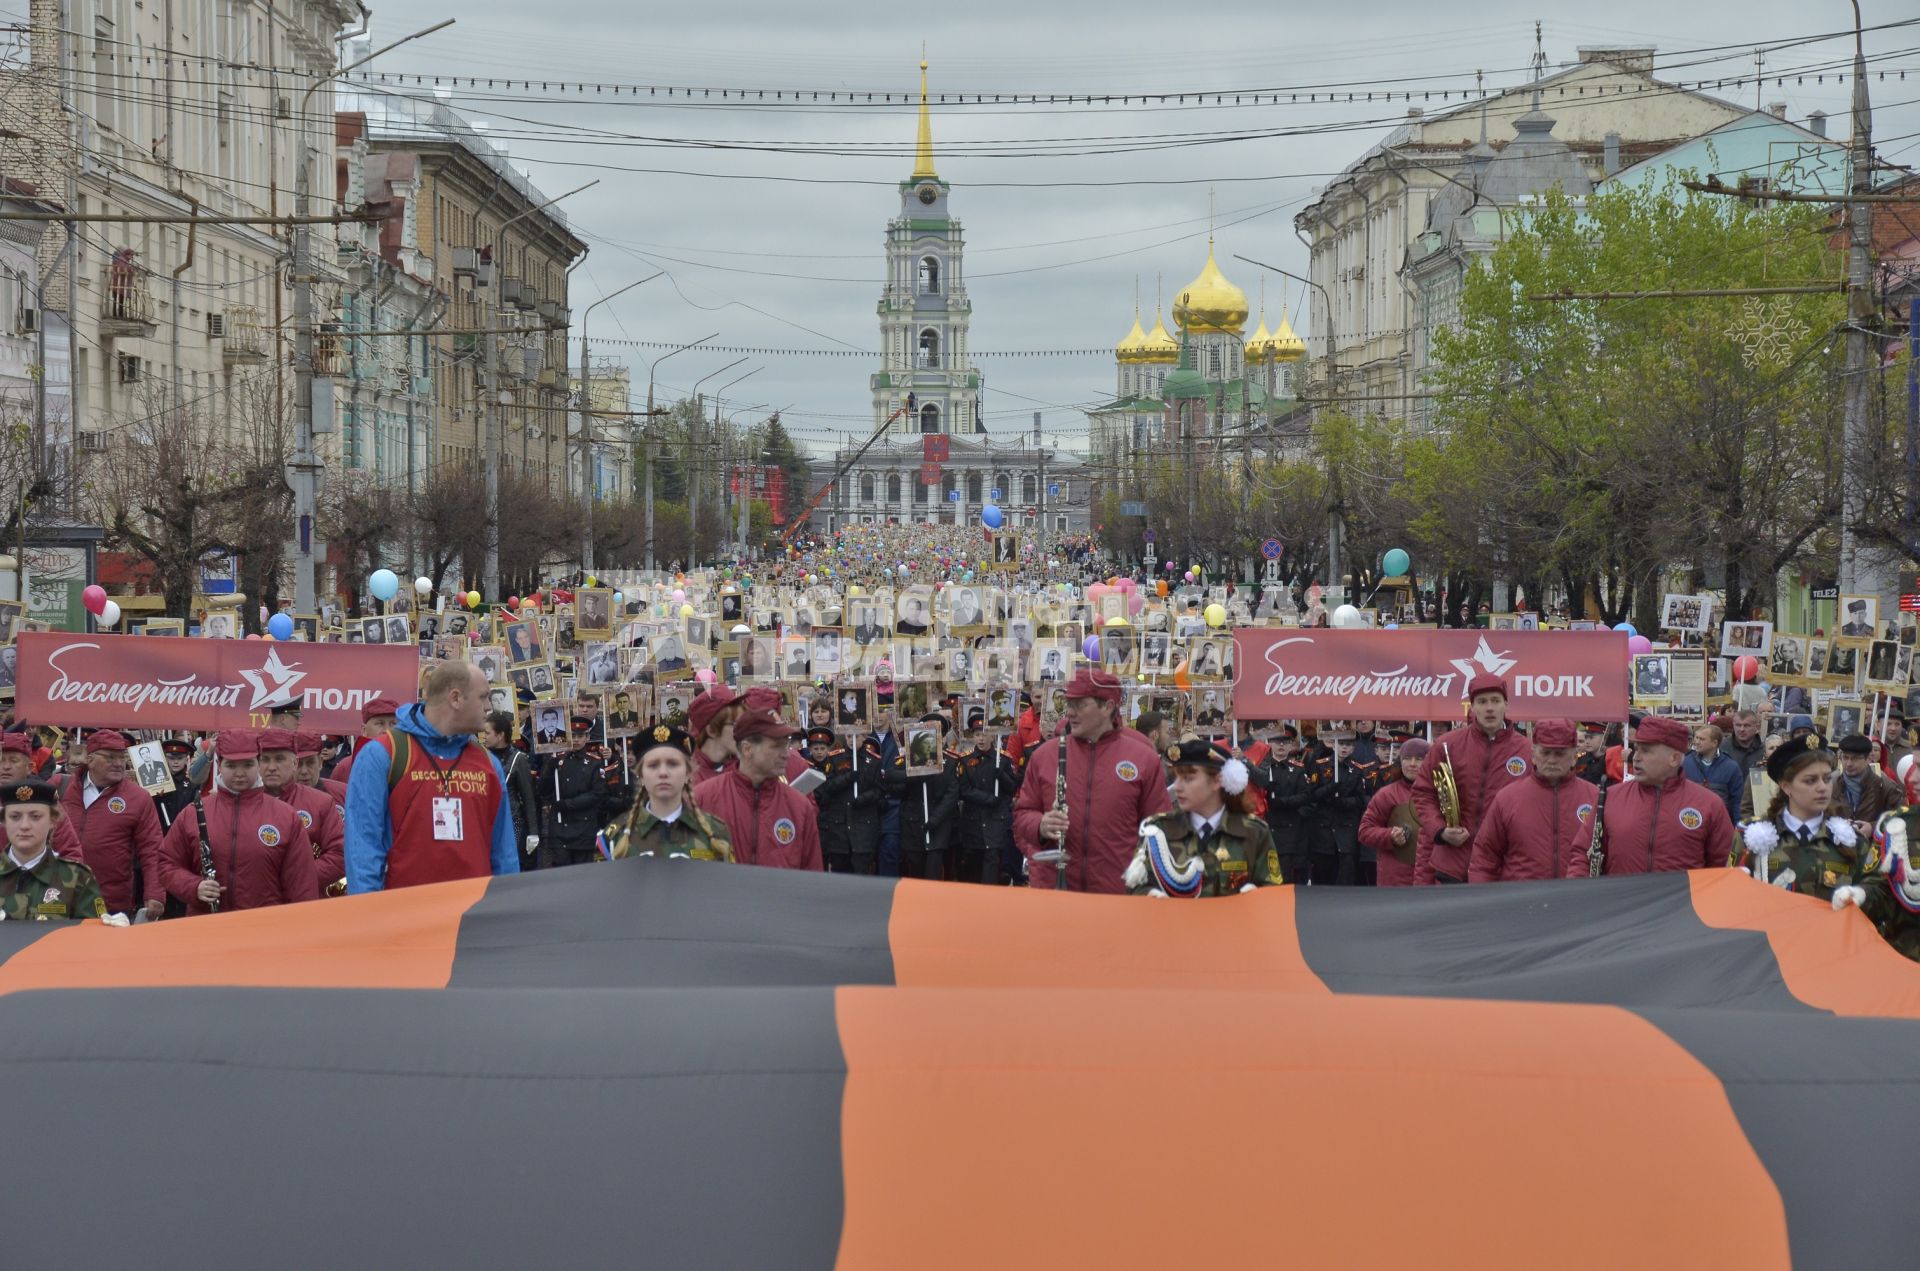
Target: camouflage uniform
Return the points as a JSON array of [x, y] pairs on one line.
[[55, 888], [1820, 865], [1241, 851], [693, 834]]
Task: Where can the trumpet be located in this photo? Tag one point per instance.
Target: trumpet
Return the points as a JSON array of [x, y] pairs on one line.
[[1446, 790]]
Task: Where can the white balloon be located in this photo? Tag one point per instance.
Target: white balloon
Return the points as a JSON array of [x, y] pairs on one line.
[[1348, 616], [423, 584], [110, 616]]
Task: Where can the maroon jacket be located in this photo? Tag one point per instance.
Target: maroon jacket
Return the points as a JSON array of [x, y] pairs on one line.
[[1377, 834], [1112, 786], [335, 790], [260, 853], [771, 825], [705, 769], [1532, 829], [1651, 830], [326, 831], [67, 843], [121, 824], [1483, 766]]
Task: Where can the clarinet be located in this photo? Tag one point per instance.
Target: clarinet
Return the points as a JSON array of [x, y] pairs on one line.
[[1060, 805], [206, 848], [1596, 851]]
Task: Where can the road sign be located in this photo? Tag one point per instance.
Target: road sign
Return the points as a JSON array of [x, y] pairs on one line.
[[1149, 535], [1053, 491], [1133, 507], [953, 496], [1271, 549], [993, 495]]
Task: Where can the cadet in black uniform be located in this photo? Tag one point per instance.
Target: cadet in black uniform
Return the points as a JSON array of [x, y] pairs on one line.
[[926, 811], [834, 799], [579, 801], [1282, 777], [987, 785], [1352, 782]]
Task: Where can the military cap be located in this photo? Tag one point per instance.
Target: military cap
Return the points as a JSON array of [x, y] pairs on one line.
[[1855, 744], [583, 724], [1198, 752], [661, 735], [1793, 750], [177, 746], [32, 790], [820, 734], [16, 743]]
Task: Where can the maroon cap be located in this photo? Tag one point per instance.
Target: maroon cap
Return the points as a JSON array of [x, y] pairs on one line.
[[1662, 730], [276, 739], [1487, 684], [1556, 734], [1415, 748], [105, 739], [762, 697], [377, 707], [305, 744], [1088, 682], [754, 723], [702, 709], [237, 743], [16, 744]]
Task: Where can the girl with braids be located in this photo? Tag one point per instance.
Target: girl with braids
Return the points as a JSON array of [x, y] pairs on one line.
[[1799, 847]]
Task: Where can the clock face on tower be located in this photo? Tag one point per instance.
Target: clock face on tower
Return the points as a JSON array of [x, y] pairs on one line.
[[928, 194]]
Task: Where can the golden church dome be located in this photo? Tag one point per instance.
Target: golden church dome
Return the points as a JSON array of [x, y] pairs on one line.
[[1210, 302], [1260, 346], [1286, 346], [1134, 347], [1160, 348]]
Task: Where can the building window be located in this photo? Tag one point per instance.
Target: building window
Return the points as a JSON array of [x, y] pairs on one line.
[[866, 487], [893, 488], [919, 491], [929, 276], [929, 350], [930, 418], [973, 488], [1213, 362], [1028, 489]]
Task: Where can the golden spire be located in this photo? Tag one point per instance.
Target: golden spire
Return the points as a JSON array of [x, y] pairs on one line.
[[923, 151]]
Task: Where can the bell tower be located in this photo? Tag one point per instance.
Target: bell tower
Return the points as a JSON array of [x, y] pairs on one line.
[[924, 310]]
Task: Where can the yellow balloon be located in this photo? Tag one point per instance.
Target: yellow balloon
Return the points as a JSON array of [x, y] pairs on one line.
[[473, 598], [686, 611], [592, 581], [1216, 615], [1116, 622]]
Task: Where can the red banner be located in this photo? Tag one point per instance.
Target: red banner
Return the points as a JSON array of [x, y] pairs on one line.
[[1297, 673], [934, 448], [102, 681]]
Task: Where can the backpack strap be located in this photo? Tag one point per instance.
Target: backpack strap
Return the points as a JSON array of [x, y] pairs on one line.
[[399, 750]]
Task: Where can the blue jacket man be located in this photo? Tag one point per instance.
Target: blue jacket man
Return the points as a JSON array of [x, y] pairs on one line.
[[439, 735], [1719, 773]]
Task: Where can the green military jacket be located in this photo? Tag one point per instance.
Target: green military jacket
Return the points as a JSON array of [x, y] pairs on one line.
[[53, 890], [1241, 852], [1823, 864], [693, 834]]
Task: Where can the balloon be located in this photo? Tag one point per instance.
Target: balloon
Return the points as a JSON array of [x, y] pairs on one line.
[[1625, 628], [383, 584], [423, 584], [1216, 615], [513, 602], [742, 629], [473, 600], [254, 636], [1091, 647], [1639, 644], [280, 627], [94, 598], [1746, 669], [1395, 562], [686, 611], [704, 675], [1136, 604], [110, 614], [1116, 621], [592, 581], [679, 596], [1171, 567], [1189, 575], [1348, 616], [991, 517], [1160, 587], [619, 597], [1393, 626]]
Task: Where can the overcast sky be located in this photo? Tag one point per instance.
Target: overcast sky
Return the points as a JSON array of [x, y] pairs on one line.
[[1054, 250]]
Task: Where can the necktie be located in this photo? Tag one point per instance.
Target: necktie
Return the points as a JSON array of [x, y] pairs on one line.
[[1806, 835], [1206, 832]]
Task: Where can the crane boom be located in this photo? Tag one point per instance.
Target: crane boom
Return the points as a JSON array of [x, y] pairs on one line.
[[793, 526]]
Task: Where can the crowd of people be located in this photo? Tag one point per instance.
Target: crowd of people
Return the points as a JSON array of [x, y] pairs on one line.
[[884, 752]]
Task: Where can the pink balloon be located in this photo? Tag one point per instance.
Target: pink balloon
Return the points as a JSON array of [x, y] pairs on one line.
[[94, 599], [1135, 603], [1639, 644], [704, 675], [1746, 669]]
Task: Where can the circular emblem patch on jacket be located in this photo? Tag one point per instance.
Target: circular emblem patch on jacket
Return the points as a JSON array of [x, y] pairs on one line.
[[1516, 767], [270, 835], [1691, 819], [306, 819], [783, 831], [1125, 770], [1584, 812], [116, 805]]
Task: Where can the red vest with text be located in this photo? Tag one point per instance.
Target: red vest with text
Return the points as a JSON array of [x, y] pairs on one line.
[[416, 856]]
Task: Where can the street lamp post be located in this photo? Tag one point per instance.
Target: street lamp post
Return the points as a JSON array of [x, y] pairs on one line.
[[303, 469], [651, 444], [587, 481], [696, 426]]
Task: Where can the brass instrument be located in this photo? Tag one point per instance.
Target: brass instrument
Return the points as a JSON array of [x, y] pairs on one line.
[[1446, 790]]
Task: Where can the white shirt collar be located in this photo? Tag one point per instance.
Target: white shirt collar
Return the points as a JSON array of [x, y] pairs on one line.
[[90, 792], [1198, 821], [27, 867], [1793, 823], [666, 820]]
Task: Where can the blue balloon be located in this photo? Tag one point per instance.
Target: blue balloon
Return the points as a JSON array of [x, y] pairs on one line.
[[383, 584], [1625, 629], [991, 517], [1393, 626], [1396, 562], [1091, 648], [280, 627]]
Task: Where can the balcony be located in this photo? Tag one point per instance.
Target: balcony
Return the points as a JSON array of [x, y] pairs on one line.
[[126, 304], [243, 341]]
